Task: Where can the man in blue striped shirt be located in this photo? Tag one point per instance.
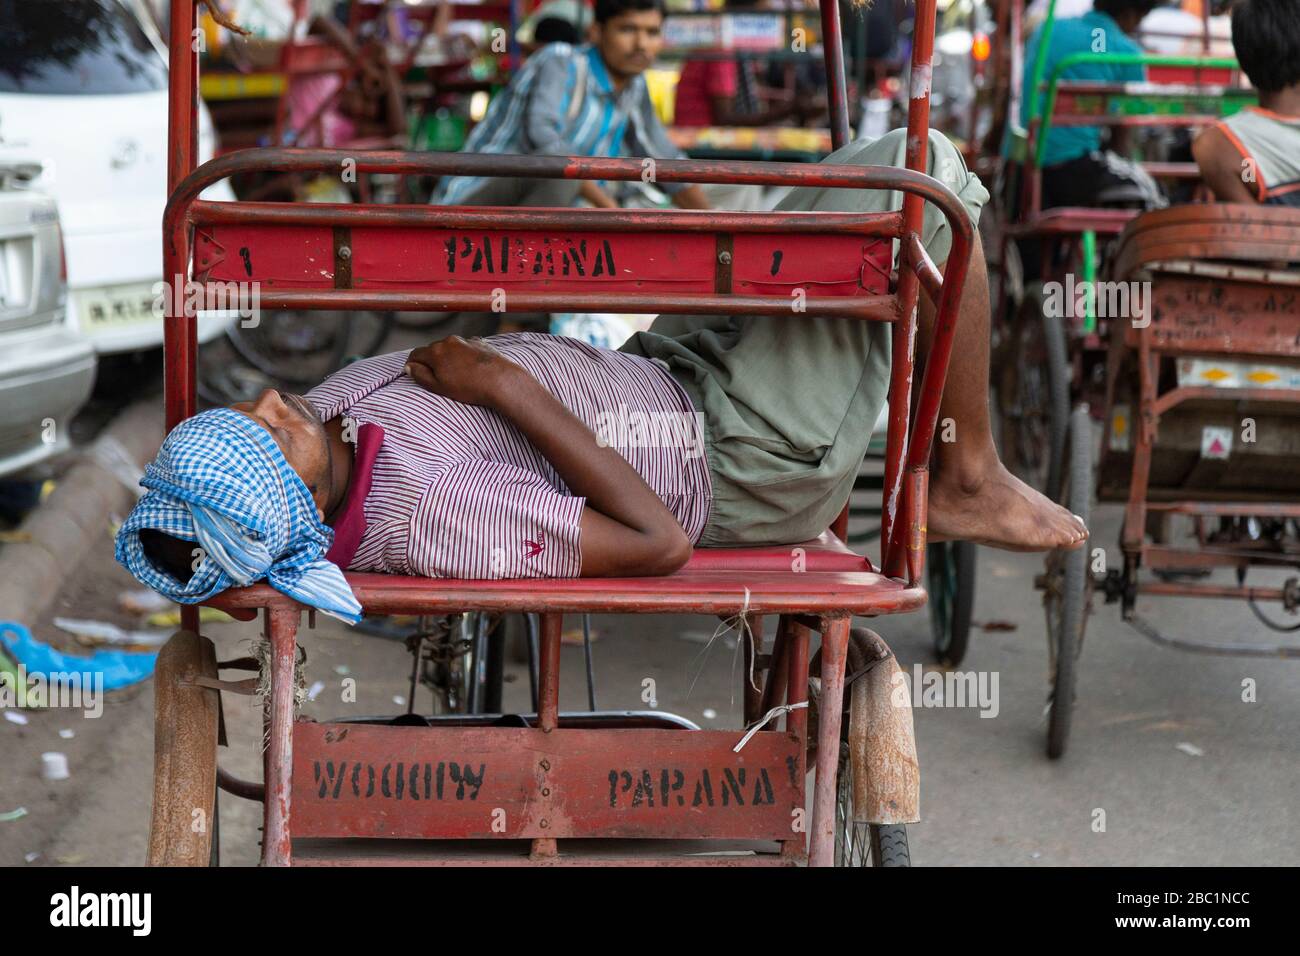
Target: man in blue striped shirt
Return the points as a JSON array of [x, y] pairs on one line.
[[577, 101]]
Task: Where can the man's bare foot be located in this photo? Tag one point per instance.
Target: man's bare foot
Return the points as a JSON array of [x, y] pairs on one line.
[[1001, 511]]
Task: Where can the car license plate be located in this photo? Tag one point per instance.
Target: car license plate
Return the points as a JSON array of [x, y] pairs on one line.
[[116, 307]]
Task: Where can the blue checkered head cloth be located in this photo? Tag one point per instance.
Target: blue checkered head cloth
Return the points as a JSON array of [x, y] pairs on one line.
[[221, 481]]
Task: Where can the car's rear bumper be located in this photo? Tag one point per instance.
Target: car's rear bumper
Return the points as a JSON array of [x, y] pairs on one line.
[[45, 376]]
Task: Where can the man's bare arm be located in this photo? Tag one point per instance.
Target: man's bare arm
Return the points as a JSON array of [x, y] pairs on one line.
[[626, 529], [1221, 167]]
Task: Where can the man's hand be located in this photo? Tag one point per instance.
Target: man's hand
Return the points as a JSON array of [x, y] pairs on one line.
[[471, 372]]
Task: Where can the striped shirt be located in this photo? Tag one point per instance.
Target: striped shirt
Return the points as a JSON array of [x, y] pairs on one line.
[[563, 103], [452, 490]]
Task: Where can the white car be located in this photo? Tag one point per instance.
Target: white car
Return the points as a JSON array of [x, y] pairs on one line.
[[46, 368], [83, 89]]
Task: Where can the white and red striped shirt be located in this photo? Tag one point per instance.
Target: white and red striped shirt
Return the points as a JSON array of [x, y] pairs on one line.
[[454, 490]]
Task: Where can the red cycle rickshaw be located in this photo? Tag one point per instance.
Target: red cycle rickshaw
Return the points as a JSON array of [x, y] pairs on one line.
[[561, 777]]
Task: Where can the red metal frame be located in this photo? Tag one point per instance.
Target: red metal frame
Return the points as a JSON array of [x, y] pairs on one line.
[[834, 584]]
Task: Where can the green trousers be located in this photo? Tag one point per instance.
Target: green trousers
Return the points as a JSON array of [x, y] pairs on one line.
[[788, 403]]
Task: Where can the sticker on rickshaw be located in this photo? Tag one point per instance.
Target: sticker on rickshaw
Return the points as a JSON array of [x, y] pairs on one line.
[[1216, 442], [1228, 373], [1120, 432]]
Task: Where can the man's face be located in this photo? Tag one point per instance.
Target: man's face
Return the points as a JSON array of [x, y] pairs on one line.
[[630, 42], [294, 425]]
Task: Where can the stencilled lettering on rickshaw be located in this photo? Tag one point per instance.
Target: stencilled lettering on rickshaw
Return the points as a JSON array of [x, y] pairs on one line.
[[673, 787], [529, 256], [417, 780]]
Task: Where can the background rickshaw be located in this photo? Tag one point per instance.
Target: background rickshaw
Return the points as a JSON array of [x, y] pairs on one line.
[[561, 777], [1047, 360], [1065, 370], [1201, 404]]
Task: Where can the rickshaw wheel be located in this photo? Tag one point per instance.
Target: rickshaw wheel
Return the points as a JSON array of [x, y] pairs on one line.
[[863, 844], [1069, 590], [950, 581], [186, 720], [1034, 397]]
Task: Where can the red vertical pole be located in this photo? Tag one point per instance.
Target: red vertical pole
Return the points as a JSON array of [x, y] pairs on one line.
[[903, 344], [548, 701], [796, 721], [180, 335], [904, 339], [777, 673], [835, 646], [179, 330], [282, 628], [836, 88]]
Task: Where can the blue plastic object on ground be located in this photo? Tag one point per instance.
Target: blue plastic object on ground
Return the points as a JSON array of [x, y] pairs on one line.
[[119, 668]]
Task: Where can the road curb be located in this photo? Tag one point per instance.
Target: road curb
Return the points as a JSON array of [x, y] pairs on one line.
[[73, 524]]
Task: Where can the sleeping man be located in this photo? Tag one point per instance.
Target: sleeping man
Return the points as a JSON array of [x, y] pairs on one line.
[[532, 455]]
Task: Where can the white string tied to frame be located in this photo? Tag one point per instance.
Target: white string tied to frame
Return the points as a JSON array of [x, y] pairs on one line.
[[738, 620], [768, 718]]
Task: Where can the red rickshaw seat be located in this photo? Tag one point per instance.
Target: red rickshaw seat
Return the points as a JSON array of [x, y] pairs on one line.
[[811, 577]]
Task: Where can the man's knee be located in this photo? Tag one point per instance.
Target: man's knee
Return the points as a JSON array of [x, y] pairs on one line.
[[944, 160]]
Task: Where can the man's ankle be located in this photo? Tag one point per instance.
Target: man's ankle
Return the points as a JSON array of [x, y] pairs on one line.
[[967, 473]]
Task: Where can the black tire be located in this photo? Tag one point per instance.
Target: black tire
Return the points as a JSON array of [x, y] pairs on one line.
[[1034, 397], [863, 844], [950, 581], [1058, 382], [1068, 576], [889, 846]]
